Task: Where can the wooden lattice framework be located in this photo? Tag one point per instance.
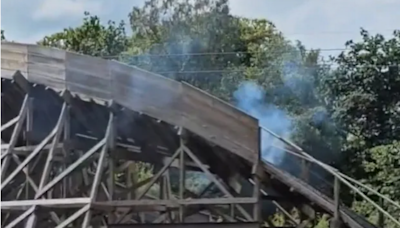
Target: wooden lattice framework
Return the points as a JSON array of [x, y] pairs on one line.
[[57, 180]]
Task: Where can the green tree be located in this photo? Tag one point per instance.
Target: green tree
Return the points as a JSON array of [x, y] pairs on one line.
[[3, 37], [382, 171], [90, 38], [166, 32], [364, 93]]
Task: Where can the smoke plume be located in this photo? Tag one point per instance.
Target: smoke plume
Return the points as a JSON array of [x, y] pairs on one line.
[[250, 98]]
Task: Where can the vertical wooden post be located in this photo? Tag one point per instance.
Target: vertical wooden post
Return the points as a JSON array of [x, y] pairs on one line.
[[131, 180], [305, 169], [381, 218], [111, 161], [232, 210], [162, 193], [168, 194], [29, 121], [256, 178], [182, 177], [336, 223], [66, 182], [28, 135]]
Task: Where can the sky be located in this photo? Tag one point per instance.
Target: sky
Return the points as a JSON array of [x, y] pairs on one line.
[[317, 23]]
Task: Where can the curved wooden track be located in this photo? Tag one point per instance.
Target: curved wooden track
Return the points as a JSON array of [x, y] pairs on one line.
[[178, 104]]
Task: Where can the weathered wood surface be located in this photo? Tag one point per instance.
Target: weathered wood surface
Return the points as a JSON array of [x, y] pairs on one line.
[[162, 98]]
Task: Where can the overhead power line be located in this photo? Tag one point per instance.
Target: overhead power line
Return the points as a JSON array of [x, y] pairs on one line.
[[216, 53], [201, 71], [234, 53], [213, 53], [317, 33], [244, 69]]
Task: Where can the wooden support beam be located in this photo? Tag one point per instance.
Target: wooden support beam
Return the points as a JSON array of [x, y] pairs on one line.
[[100, 168], [381, 217], [175, 202], [73, 217], [305, 170], [22, 82], [72, 167], [57, 179], [257, 184], [216, 182], [14, 137], [20, 218], [182, 182], [28, 159], [9, 123], [154, 179], [59, 126], [336, 220], [56, 203]]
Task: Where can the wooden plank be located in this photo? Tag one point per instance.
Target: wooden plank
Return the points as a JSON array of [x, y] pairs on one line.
[[46, 66], [219, 122], [24, 204], [177, 202], [146, 92], [14, 56], [88, 75]]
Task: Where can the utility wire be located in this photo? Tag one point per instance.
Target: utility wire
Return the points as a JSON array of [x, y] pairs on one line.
[[238, 53], [242, 70], [336, 32], [218, 53]]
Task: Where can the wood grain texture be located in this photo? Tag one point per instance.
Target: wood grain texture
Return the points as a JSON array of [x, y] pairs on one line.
[[159, 97], [88, 75], [146, 92], [13, 57], [219, 122], [46, 66]]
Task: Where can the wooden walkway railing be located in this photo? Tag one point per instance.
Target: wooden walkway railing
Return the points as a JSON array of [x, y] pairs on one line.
[[340, 180]]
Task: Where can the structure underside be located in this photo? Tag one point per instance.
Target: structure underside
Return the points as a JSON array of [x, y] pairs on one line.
[[68, 162]]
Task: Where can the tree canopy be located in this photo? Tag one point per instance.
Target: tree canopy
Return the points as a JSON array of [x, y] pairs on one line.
[[91, 38]]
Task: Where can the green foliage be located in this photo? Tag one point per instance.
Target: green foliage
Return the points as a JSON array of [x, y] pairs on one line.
[[323, 222], [3, 37], [363, 94], [281, 220], [382, 173], [169, 30], [91, 38]]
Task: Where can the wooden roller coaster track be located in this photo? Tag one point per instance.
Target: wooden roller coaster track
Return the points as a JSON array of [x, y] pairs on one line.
[[76, 128]]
